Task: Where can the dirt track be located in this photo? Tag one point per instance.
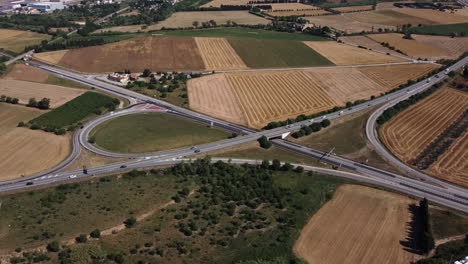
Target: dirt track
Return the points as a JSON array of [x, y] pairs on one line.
[[359, 225]]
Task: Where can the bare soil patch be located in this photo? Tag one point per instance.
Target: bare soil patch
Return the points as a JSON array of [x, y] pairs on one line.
[[435, 16], [342, 54], [388, 17], [155, 53], [23, 72], [393, 75], [52, 57], [218, 54], [451, 47], [346, 9], [412, 130], [346, 24], [373, 221], [25, 152], [23, 90], [411, 47]]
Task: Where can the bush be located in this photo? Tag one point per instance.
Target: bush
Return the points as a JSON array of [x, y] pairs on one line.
[[325, 123], [264, 142], [130, 222], [21, 124], [53, 246], [81, 238], [96, 233]]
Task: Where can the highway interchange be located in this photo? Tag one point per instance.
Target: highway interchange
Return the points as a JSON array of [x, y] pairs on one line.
[[421, 186]]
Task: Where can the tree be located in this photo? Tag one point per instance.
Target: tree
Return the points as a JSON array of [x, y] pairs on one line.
[[195, 24], [96, 233], [299, 169], [265, 164], [53, 246], [287, 167], [81, 238], [146, 73], [32, 102], [325, 123], [264, 142], [44, 103], [276, 165], [21, 124], [130, 222]]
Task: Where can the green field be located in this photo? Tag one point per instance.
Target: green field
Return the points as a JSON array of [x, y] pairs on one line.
[[52, 79], [74, 110], [240, 33], [444, 30], [267, 53], [149, 132]]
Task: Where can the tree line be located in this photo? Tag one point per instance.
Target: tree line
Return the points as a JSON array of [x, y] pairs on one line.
[[43, 104], [307, 130], [8, 99]]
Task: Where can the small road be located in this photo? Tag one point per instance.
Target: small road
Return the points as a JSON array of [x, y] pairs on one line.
[[13, 60]]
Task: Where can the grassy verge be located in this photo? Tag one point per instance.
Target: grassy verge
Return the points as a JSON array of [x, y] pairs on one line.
[[73, 111], [263, 53], [52, 79], [149, 132], [447, 223], [240, 33], [444, 30]]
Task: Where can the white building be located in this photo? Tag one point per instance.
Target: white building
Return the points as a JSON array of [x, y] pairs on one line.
[[47, 6]]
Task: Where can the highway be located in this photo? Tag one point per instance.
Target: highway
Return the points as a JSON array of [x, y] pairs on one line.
[[445, 194]]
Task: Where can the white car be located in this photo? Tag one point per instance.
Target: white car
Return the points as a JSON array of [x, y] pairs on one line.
[[72, 176]]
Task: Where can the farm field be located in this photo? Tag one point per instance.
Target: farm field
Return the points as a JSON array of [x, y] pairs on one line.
[[374, 221], [407, 134], [369, 43], [17, 40], [389, 17], [218, 3], [437, 17], [23, 72], [346, 23], [26, 151], [155, 53], [452, 47], [346, 9], [11, 115], [444, 30], [452, 165], [306, 13], [24, 90], [262, 53], [218, 54], [411, 47], [274, 6], [342, 54], [150, 132], [53, 57], [257, 98]]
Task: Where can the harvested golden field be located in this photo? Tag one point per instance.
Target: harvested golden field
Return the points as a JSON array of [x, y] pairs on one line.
[[359, 225], [261, 97], [342, 54], [218, 3], [214, 96], [17, 40], [346, 24], [218, 54], [411, 47], [452, 166], [23, 72], [367, 42], [350, 86], [290, 6], [409, 133], [11, 115], [435, 16], [185, 19], [346, 9], [298, 13], [52, 57], [393, 75], [388, 17], [155, 53], [452, 47], [25, 152], [23, 90]]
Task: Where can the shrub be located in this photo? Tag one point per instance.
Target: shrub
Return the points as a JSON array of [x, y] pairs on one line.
[[264, 142], [81, 238], [130, 222], [53, 246], [96, 233]]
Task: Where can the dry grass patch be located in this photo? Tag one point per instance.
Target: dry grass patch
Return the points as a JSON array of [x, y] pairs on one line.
[[359, 225], [11, 115], [452, 165], [342, 54], [392, 76], [411, 47], [368, 43], [218, 3], [435, 16], [346, 24], [290, 6], [17, 40], [26, 151], [346, 9], [23, 72], [155, 53], [52, 57], [388, 17], [452, 47], [298, 13], [23, 90], [218, 54], [414, 129]]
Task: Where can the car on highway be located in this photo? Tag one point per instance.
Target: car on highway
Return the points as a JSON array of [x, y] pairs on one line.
[[197, 151], [123, 166], [29, 183], [72, 176]]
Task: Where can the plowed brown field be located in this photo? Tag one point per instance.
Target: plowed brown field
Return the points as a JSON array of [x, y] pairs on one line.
[[155, 53], [346, 24], [437, 17], [22, 90], [23, 72], [342, 54], [388, 17], [26, 151], [52, 57], [452, 47], [407, 134], [368, 43], [298, 13], [346, 9], [411, 47], [394, 75], [359, 225], [452, 165], [218, 54]]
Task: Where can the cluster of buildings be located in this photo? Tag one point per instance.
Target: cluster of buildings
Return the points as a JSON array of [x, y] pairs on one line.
[[123, 78], [30, 7]]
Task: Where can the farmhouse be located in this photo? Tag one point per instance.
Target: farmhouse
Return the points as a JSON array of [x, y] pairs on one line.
[[117, 77]]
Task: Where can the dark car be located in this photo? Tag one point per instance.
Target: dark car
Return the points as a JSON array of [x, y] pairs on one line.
[[196, 151], [29, 183], [123, 166]]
